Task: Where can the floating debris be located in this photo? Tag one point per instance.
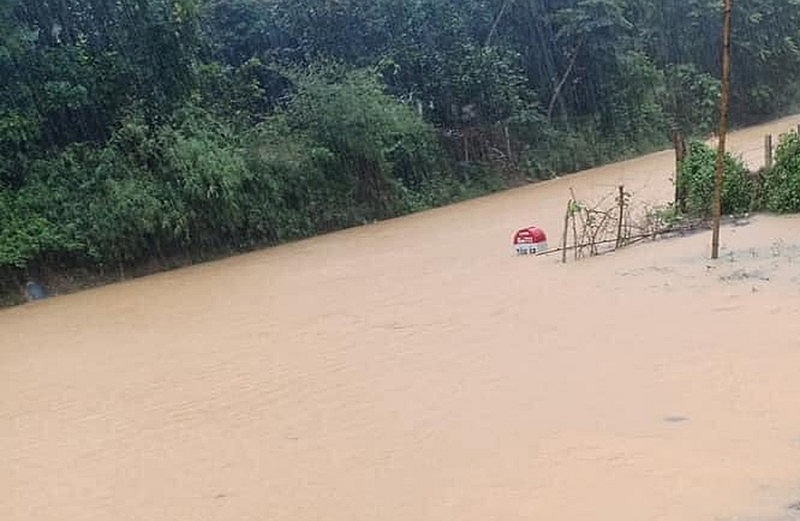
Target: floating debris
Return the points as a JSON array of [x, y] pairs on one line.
[[740, 275]]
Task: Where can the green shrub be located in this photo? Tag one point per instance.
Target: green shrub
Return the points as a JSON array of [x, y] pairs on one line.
[[25, 234], [696, 181], [782, 182], [378, 146]]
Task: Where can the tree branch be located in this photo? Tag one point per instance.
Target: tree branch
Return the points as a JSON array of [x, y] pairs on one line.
[[557, 91], [498, 18]]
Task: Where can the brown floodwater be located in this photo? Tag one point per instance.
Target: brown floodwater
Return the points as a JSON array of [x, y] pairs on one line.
[[416, 370]]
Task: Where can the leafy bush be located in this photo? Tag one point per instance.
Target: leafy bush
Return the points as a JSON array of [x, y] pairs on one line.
[[692, 99], [636, 117], [782, 182], [696, 181], [25, 234], [377, 144]]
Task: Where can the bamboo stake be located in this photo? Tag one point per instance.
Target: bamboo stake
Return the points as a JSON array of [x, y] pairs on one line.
[[768, 151], [621, 214], [723, 126], [575, 230], [566, 231]]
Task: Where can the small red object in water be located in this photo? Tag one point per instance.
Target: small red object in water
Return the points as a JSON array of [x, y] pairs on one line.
[[530, 240]]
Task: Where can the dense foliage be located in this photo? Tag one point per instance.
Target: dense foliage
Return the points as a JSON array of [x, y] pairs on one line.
[[696, 181], [775, 189], [153, 128], [782, 181]]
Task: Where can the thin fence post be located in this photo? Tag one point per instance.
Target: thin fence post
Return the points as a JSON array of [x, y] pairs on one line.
[[621, 214], [768, 151], [575, 232], [566, 233]]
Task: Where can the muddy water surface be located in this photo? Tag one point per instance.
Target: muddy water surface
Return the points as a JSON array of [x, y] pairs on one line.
[[416, 370]]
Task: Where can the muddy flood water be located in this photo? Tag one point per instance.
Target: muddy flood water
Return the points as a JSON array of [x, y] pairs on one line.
[[417, 370]]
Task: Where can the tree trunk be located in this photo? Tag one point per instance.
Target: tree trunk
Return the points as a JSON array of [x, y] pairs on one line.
[[557, 91], [509, 151], [497, 20]]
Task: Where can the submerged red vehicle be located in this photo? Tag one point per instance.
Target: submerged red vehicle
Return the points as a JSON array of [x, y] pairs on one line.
[[530, 241]]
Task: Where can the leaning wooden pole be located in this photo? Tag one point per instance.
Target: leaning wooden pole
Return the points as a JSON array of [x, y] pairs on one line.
[[723, 125]]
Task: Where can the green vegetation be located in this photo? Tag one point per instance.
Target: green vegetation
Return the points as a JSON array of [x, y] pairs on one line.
[[696, 181], [782, 181], [154, 130], [775, 189]]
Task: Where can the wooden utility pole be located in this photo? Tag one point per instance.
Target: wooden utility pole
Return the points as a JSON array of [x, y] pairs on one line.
[[723, 125], [679, 144], [768, 155]]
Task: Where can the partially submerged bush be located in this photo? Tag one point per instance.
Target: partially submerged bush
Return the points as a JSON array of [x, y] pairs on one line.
[[696, 182], [782, 182]]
